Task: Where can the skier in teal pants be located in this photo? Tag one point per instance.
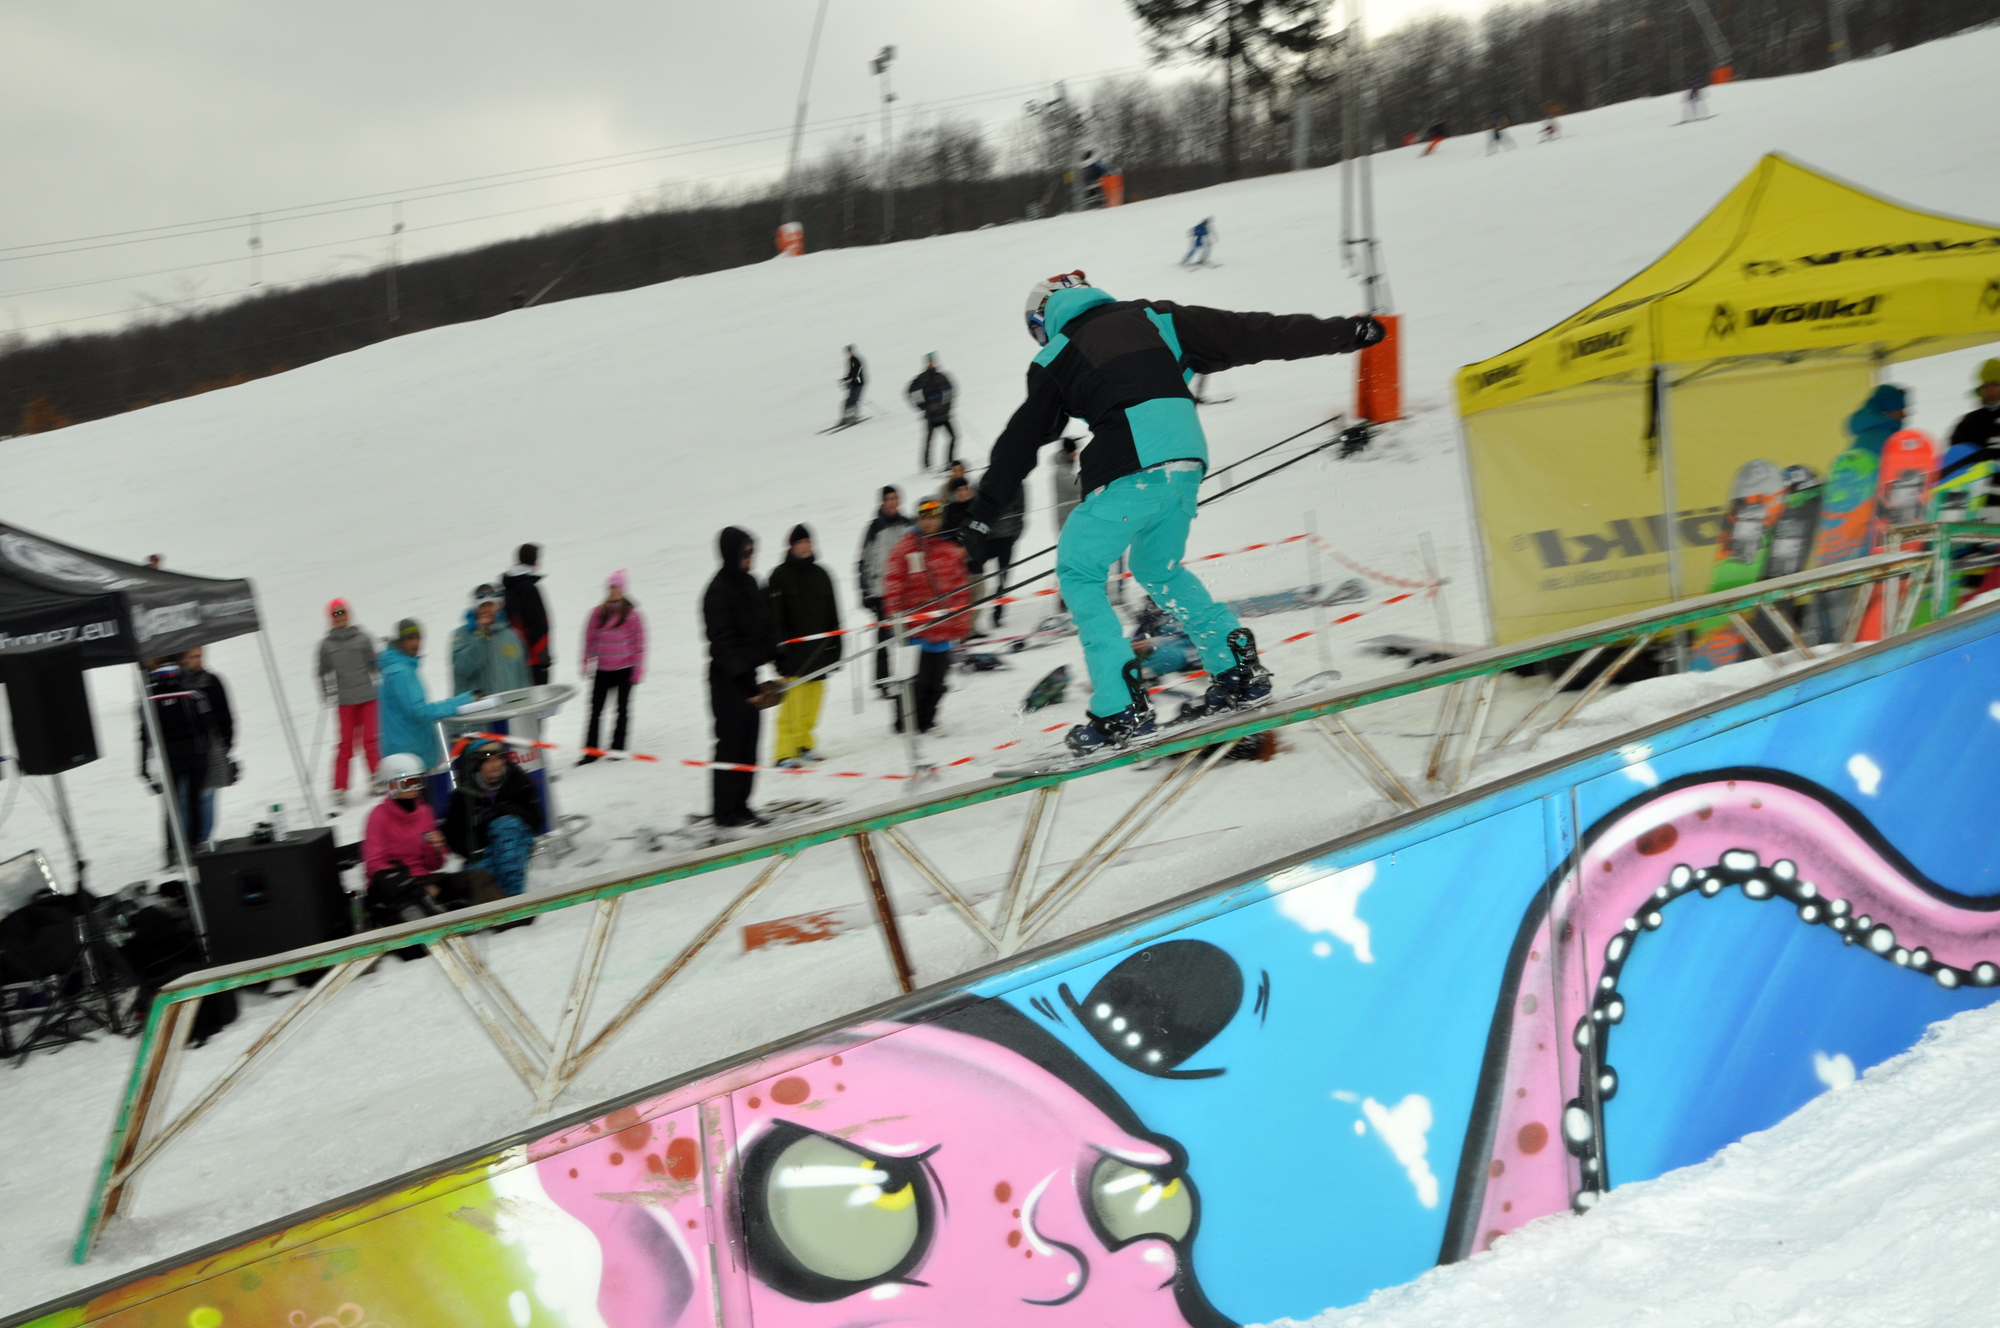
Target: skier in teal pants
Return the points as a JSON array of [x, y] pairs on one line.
[[1123, 367]]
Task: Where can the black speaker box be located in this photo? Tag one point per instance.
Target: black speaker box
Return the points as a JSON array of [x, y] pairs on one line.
[[262, 899], [50, 710]]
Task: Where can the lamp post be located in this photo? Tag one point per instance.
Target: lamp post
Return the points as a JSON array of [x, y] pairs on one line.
[[880, 65]]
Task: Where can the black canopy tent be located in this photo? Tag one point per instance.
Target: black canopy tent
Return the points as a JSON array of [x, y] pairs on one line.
[[56, 597]]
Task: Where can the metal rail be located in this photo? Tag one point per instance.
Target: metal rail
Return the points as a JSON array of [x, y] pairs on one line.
[[547, 1065]]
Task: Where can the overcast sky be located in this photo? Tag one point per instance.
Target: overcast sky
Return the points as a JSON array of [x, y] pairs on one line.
[[130, 114]]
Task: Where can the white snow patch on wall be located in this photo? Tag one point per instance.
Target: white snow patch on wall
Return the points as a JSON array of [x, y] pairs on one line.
[[1405, 1128], [1328, 905], [1835, 1071], [560, 1251], [1867, 775]]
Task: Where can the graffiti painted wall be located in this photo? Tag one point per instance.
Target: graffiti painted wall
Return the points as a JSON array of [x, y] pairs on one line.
[[1284, 1094]]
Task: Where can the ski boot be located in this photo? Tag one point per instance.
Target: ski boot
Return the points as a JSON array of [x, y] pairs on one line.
[[1101, 731], [1246, 684]]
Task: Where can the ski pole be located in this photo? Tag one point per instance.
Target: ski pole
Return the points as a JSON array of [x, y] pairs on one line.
[[1335, 419], [977, 604]]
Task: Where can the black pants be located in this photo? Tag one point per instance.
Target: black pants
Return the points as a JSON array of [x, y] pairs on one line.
[[951, 441], [933, 667], [847, 412], [540, 674], [736, 724], [1000, 557], [882, 634], [602, 687]]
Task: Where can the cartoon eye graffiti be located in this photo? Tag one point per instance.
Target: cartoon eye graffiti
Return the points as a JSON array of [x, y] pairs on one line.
[[825, 1219], [1161, 1006], [1130, 1203]]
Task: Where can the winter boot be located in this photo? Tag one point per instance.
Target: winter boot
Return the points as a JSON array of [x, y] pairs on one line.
[[1245, 685], [1101, 731]]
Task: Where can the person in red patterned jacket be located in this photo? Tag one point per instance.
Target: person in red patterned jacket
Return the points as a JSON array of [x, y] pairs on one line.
[[928, 565]]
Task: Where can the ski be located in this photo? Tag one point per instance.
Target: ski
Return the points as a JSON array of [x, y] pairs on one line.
[[702, 832], [848, 424], [1792, 539]]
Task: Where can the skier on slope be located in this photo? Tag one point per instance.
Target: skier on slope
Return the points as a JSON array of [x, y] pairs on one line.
[[854, 380], [930, 393], [1203, 236], [1123, 367]]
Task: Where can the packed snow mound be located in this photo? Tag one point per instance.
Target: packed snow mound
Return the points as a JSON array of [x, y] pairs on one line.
[[1873, 1205]]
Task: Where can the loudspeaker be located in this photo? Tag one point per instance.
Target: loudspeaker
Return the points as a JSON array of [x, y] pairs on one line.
[[262, 899], [50, 708]]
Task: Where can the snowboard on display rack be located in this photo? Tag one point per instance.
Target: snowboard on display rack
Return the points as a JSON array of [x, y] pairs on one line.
[[1902, 497], [1847, 510], [1792, 539], [1756, 497]]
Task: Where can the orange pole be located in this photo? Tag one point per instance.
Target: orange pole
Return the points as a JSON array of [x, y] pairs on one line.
[[1378, 375]]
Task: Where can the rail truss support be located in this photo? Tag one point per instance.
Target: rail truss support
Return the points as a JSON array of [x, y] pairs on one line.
[[885, 913]]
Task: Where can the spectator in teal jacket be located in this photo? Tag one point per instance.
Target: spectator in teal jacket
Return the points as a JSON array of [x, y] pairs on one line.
[[487, 655], [409, 721], [1879, 417]]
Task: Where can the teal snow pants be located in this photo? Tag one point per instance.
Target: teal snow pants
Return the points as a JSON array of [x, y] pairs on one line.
[[1148, 513]]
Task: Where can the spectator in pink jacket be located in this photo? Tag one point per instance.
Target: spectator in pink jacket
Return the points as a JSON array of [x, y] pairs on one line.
[[401, 851], [614, 657]]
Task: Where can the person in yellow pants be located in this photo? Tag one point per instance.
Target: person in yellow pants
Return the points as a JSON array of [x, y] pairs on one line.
[[802, 606]]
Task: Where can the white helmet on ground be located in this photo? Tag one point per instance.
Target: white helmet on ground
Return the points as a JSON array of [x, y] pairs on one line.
[[398, 768], [1038, 297]]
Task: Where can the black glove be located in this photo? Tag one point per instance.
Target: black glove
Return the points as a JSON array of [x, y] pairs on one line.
[[1367, 331], [972, 538], [978, 528]]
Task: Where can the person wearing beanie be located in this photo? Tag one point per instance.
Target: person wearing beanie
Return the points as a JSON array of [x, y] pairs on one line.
[[1881, 415], [614, 659], [888, 526], [522, 592], [1980, 427], [1969, 472], [348, 678], [737, 617], [487, 654], [802, 605], [408, 719]]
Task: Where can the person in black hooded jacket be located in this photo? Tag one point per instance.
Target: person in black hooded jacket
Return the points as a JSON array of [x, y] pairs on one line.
[[802, 604], [740, 640]]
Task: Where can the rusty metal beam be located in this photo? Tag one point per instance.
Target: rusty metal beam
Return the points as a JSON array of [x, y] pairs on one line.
[[878, 890]]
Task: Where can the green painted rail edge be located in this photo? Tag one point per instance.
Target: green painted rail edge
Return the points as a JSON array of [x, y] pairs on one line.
[[1477, 665]]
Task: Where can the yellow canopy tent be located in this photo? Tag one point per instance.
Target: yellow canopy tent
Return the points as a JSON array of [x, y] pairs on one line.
[[1754, 337]]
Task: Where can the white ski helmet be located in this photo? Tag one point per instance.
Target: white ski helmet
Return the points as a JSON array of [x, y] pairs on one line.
[[397, 768], [1038, 297]]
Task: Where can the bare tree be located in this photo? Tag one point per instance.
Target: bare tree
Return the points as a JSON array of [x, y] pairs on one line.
[[1255, 42]]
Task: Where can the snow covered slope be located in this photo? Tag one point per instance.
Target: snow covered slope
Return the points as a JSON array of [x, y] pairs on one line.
[[1872, 1205], [623, 431]]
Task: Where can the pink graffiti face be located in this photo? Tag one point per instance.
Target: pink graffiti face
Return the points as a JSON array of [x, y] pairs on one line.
[[933, 1177]]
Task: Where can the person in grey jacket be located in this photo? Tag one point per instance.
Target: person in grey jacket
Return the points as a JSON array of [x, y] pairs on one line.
[[883, 533], [1069, 488], [348, 679]]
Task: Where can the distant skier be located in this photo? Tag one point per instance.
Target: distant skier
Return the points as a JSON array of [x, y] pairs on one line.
[[1123, 368], [521, 594], [1696, 105], [1551, 129], [1437, 134], [1501, 138], [930, 393], [855, 379], [1203, 236]]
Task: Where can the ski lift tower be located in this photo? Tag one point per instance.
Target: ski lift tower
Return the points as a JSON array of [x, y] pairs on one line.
[[1378, 391], [880, 65]]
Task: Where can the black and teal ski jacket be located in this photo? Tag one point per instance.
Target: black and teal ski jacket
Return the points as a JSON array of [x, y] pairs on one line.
[[1123, 368]]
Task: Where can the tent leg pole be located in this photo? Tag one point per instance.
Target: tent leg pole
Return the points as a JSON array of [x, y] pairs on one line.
[[176, 831], [1670, 498], [285, 723]]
